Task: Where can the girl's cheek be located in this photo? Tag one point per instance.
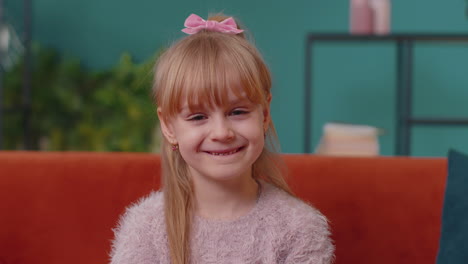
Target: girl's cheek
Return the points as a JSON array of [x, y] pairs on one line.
[[194, 133]]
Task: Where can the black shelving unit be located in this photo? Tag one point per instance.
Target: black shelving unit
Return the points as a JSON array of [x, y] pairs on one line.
[[404, 76], [25, 107]]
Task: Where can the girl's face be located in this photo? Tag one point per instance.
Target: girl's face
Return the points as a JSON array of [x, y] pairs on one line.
[[219, 143]]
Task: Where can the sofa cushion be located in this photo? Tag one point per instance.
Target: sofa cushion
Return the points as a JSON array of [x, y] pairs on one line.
[[453, 247]]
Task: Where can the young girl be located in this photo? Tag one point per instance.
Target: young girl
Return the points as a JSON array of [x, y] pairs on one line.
[[223, 199]]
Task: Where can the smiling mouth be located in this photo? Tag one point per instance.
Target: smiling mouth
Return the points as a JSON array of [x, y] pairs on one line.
[[224, 153]]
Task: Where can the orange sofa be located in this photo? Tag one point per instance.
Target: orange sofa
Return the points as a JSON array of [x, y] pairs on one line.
[[61, 207]]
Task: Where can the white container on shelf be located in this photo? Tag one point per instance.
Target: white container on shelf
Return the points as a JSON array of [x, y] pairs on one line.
[[381, 10], [340, 139]]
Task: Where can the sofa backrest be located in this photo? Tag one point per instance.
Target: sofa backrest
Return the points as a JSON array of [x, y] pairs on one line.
[[61, 207], [382, 210]]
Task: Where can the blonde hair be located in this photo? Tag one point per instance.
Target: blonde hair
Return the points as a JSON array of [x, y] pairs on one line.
[[204, 67]]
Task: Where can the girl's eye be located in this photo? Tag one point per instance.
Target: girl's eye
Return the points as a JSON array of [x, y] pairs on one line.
[[196, 117], [239, 112]]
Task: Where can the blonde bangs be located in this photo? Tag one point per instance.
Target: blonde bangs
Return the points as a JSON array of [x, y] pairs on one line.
[[208, 70]]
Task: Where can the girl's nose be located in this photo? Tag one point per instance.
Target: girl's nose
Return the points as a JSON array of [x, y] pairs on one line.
[[222, 130]]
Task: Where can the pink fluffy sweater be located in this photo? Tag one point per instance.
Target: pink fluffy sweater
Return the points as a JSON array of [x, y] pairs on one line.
[[279, 229]]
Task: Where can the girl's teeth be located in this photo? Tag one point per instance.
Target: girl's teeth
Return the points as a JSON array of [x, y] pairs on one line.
[[224, 154]]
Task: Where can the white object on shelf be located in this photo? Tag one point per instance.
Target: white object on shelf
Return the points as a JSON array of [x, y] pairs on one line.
[[382, 13], [349, 140]]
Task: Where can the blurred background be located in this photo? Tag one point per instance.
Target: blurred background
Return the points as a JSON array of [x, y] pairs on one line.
[[88, 67]]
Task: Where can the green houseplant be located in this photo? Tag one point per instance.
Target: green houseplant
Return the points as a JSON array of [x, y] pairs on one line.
[[77, 109]]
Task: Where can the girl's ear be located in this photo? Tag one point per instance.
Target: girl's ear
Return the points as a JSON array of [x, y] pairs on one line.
[[167, 128], [266, 115]]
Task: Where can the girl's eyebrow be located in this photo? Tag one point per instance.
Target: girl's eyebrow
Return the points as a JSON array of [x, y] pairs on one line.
[[194, 108], [201, 107], [197, 107]]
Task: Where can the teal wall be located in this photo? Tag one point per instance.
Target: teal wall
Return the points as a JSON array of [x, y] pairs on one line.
[[354, 83]]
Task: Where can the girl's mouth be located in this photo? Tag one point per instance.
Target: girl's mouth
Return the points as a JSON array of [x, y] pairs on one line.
[[225, 152]]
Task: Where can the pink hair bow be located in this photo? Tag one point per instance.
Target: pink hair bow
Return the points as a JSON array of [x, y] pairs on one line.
[[193, 24]]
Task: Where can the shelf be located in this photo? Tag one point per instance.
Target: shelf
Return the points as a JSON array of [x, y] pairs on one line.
[[443, 37], [439, 121], [404, 77]]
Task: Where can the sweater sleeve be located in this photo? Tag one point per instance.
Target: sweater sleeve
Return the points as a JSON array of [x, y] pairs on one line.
[[135, 241], [311, 242]]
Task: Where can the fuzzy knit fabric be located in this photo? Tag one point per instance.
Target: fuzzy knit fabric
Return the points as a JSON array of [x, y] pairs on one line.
[[279, 229]]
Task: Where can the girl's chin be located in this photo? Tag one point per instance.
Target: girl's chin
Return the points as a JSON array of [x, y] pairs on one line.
[[223, 175]]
